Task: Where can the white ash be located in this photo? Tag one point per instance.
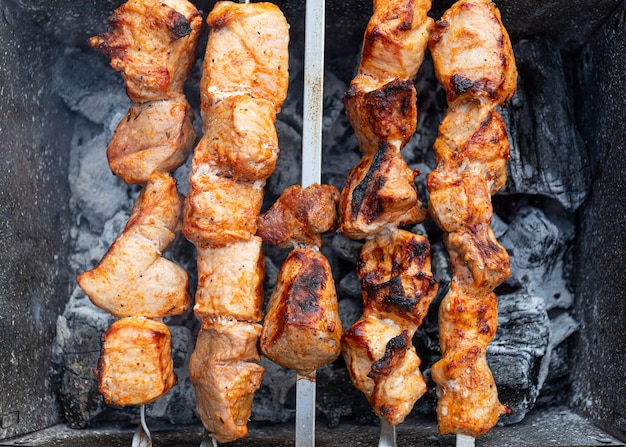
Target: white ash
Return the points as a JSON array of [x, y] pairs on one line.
[[539, 240], [539, 250]]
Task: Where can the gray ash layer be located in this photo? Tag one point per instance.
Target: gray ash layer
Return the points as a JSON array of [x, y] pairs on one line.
[[548, 180]]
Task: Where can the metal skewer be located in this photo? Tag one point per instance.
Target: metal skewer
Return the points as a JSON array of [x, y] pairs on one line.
[[142, 437], [207, 441], [464, 440], [387, 434], [313, 103]]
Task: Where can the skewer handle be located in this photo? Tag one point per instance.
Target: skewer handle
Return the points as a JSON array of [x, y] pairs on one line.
[[313, 101]]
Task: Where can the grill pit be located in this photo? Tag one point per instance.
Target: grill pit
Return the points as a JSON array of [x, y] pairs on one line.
[[556, 353]]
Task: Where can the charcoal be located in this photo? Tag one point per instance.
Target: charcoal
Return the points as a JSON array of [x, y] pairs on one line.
[[516, 352], [275, 400], [539, 256], [349, 286], [350, 310], [76, 354], [96, 193], [288, 170], [102, 99], [547, 154], [347, 249], [177, 407]]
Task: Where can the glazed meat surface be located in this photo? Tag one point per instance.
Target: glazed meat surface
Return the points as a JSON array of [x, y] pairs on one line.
[[300, 216], [135, 365], [152, 43], [154, 136], [132, 278], [302, 329]]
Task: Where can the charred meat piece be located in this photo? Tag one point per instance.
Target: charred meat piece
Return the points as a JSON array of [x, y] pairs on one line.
[[379, 194], [152, 43], [382, 115], [300, 216], [473, 53], [135, 365], [394, 270], [380, 103], [383, 364], [302, 329], [133, 278], [154, 136]]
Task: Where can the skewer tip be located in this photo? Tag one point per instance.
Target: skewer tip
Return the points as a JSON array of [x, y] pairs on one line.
[[464, 440]]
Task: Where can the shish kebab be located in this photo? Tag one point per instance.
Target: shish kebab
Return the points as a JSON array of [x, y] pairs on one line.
[[379, 196], [303, 311], [474, 62], [243, 85], [152, 43]]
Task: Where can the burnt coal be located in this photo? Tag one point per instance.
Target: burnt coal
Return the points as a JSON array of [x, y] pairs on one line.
[[547, 153], [529, 353]]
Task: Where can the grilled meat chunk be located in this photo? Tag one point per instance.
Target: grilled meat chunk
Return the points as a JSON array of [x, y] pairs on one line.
[[154, 136], [241, 138], [300, 216], [380, 103], [135, 365], [379, 194], [248, 53], [394, 270], [473, 53], [302, 329], [244, 83], [219, 210], [225, 374], [132, 278], [383, 364], [152, 43], [230, 281]]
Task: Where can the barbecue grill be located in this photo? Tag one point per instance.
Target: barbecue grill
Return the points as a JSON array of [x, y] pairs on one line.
[[558, 358]]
